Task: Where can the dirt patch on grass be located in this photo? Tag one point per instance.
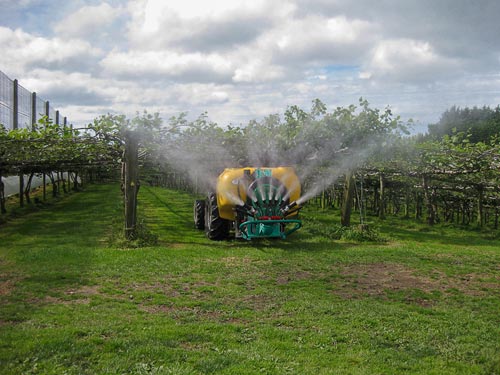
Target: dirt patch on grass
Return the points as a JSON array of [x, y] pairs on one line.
[[62, 301], [198, 288], [86, 290], [175, 245], [190, 313], [479, 283], [380, 279], [284, 279], [377, 279], [244, 262], [73, 296], [8, 283], [183, 312], [6, 286], [255, 302]]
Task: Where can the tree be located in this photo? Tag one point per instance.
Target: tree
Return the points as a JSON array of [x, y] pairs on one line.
[[480, 123]]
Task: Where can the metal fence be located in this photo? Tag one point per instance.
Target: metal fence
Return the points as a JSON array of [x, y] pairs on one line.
[[21, 108]]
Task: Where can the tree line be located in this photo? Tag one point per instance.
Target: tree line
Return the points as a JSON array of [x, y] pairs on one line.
[[352, 158]]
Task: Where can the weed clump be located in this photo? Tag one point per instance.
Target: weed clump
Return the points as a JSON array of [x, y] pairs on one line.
[[142, 236], [359, 233]]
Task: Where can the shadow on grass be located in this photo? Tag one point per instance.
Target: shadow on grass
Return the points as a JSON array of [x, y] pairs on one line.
[[295, 244], [443, 235], [169, 207], [299, 245]]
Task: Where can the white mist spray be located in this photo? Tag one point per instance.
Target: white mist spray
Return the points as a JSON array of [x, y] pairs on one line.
[[319, 159]]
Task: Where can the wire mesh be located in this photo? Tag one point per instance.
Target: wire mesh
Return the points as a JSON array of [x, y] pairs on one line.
[[24, 107], [6, 101], [40, 108], [52, 114]]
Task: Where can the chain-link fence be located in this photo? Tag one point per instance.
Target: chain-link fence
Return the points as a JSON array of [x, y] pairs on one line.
[[21, 108]]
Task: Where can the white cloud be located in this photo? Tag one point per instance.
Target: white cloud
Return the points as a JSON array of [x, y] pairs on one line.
[[256, 70], [58, 87], [22, 51], [220, 96], [411, 61], [214, 9], [87, 20], [167, 65], [194, 25], [316, 39]]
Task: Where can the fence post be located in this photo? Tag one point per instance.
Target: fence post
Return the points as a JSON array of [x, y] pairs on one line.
[[44, 186], [21, 189], [131, 183], [15, 105], [2, 196], [33, 110]]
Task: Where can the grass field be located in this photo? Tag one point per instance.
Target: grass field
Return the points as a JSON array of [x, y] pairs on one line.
[[72, 301]]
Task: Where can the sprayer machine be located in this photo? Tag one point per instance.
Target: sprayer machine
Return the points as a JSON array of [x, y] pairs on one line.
[[254, 202]]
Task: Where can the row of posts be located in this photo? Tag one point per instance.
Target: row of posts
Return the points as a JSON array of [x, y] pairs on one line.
[[15, 109], [15, 125]]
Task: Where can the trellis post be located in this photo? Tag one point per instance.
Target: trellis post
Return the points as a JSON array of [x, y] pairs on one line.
[[131, 183]]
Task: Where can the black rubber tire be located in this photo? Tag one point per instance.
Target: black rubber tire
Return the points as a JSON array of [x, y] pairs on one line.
[[199, 214], [216, 228]]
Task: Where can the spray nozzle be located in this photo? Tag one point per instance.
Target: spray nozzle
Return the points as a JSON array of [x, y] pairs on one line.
[[246, 209], [285, 208]]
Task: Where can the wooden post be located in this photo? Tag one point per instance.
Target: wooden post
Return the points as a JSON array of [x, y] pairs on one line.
[[44, 186], [431, 213], [2, 195], [21, 189], [407, 201], [480, 208], [381, 212], [131, 183], [345, 219]]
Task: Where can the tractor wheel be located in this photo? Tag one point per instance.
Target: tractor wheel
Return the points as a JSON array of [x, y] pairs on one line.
[[216, 228], [199, 214]]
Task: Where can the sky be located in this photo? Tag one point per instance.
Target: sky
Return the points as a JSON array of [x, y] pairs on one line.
[[240, 60]]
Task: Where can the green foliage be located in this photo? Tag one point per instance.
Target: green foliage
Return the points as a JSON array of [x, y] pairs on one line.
[[49, 147]]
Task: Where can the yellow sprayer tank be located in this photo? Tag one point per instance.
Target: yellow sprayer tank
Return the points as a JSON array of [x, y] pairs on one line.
[[251, 202], [233, 186]]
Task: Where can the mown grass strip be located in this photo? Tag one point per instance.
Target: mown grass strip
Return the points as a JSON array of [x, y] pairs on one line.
[[72, 302]]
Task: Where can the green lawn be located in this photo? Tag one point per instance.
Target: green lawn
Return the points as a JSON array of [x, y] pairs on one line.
[[72, 301]]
